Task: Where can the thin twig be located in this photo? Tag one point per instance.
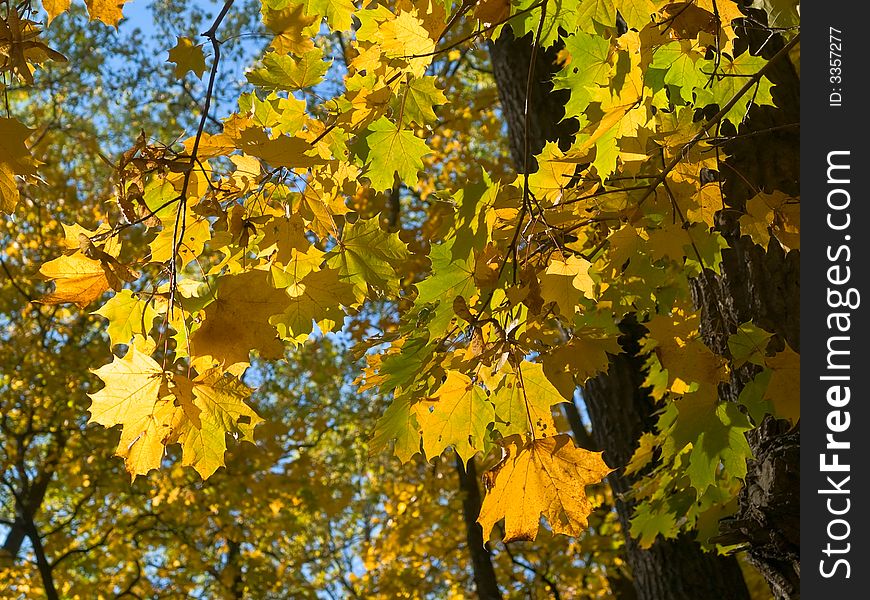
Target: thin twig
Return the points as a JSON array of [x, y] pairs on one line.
[[181, 215]]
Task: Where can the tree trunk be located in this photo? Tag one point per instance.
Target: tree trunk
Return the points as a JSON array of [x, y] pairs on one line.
[[45, 568], [621, 410], [510, 67], [481, 562], [618, 408], [762, 286]]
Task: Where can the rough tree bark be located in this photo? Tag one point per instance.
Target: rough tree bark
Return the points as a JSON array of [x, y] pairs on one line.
[[762, 286], [481, 562], [620, 410]]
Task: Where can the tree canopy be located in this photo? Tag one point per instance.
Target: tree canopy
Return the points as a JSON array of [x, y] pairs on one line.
[[304, 298]]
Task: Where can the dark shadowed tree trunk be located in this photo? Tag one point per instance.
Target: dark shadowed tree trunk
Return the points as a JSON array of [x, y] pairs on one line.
[[620, 410], [481, 561]]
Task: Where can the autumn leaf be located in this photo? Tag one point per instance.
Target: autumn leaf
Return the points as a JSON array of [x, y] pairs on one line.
[[218, 402], [317, 297], [416, 103], [566, 282], [55, 8], [289, 26], [399, 424], [452, 277], [77, 279], [238, 320], [457, 416], [748, 344], [391, 150], [128, 315], [542, 477], [187, 57], [404, 37], [15, 159], [777, 213], [784, 389], [338, 13], [367, 256], [132, 398], [524, 400], [286, 72], [107, 11]]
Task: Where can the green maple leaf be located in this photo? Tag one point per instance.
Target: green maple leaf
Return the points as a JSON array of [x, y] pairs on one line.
[[452, 276], [735, 74], [748, 344], [338, 13], [400, 424], [416, 104], [650, 521], [587, 71], [389, 150], [128, 315], [286, 72], [367, 257], [562, 14], [709, 246], [678, 61], [722, 441], [400, 370], [715, 431]]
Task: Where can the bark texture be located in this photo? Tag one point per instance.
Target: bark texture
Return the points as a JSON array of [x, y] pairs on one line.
[[620, 410], [510, 66]]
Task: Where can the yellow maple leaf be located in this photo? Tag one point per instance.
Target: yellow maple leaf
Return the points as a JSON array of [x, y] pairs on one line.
[[405, 38], [317, 297], [784, 388], [565, 282], [107, 11], [77, 279], [15, 159], [187, 57], [54, 8], [128, 315], [706, 203], [524, 400], [238, 320], [553, 174], [214, 405], [458, 417], [546, 476], [281, 151], [289, 25], [131, 398], [582, 357], [775, 212]]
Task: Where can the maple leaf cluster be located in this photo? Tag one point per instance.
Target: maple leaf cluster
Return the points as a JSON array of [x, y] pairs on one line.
[[505, 291]]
